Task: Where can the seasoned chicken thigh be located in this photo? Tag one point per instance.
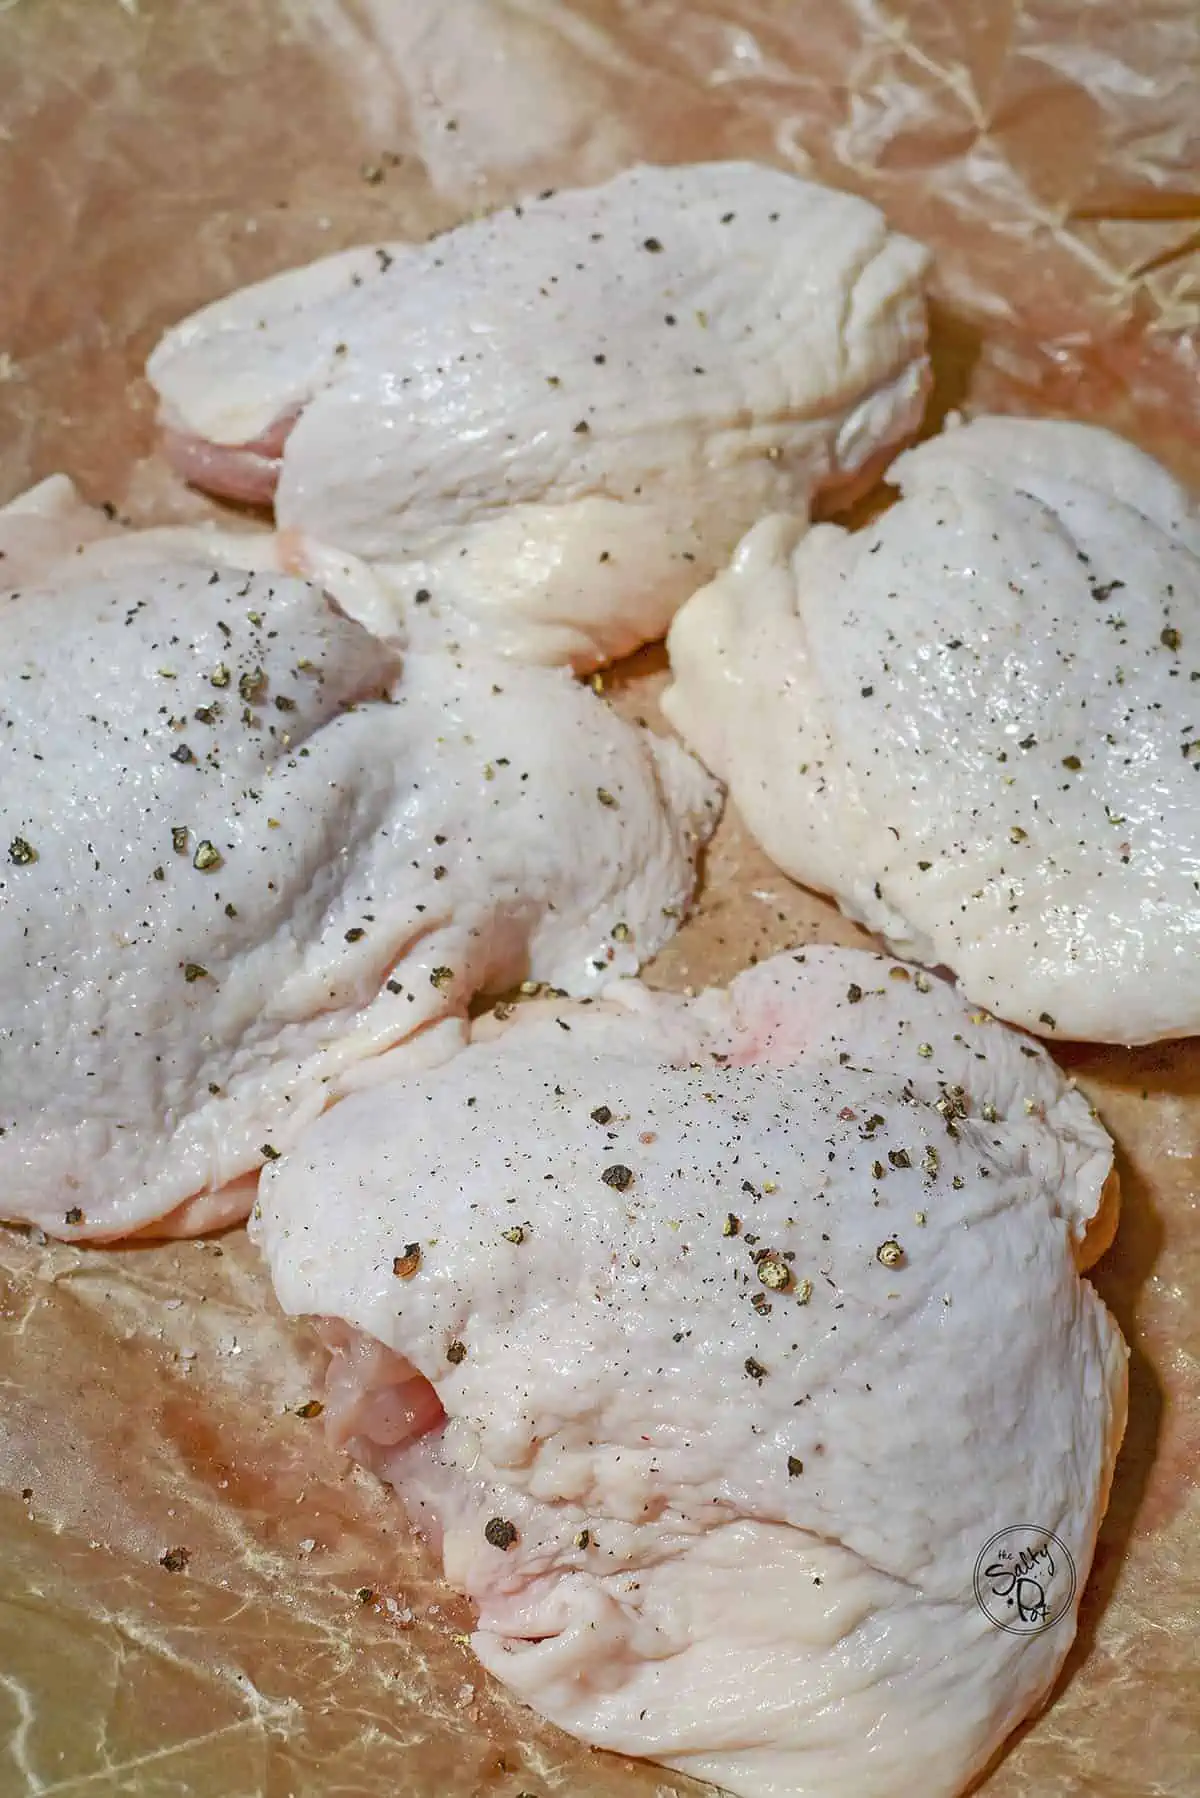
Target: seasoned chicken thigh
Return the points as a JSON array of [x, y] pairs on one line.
[[711, 1342], [243, 852], [977, 721], [544, 430]]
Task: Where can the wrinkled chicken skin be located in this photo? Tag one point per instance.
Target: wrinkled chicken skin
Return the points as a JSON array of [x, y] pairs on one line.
[[752, 1318], [245, 854], [975, 722], [542, 431]]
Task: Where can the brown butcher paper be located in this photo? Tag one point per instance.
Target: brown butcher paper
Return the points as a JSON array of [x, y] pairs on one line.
[[198, 1598]]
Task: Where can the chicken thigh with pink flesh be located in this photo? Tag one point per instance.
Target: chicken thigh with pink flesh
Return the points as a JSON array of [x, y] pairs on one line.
[[976, 721], [51, 533], [543, 430], [711, 1341], [243, 852]]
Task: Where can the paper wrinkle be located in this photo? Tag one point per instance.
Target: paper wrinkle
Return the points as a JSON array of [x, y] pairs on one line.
[[152, 158]]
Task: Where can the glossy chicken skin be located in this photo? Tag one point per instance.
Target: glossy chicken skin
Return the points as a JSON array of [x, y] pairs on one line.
[[976, 722], [244, 853], [545, 429], [710, 1342]]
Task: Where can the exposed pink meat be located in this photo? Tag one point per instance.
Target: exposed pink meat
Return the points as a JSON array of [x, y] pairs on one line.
[[202, 1215], [246, 472], [374, 1398]]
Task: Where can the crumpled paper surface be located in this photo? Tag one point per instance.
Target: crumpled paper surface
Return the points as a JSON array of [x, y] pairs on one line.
[[154, 153]]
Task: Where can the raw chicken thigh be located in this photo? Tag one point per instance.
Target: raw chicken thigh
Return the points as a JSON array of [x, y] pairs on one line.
[[977, 721], [712, 1341], [243, 853], [544, 430]]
